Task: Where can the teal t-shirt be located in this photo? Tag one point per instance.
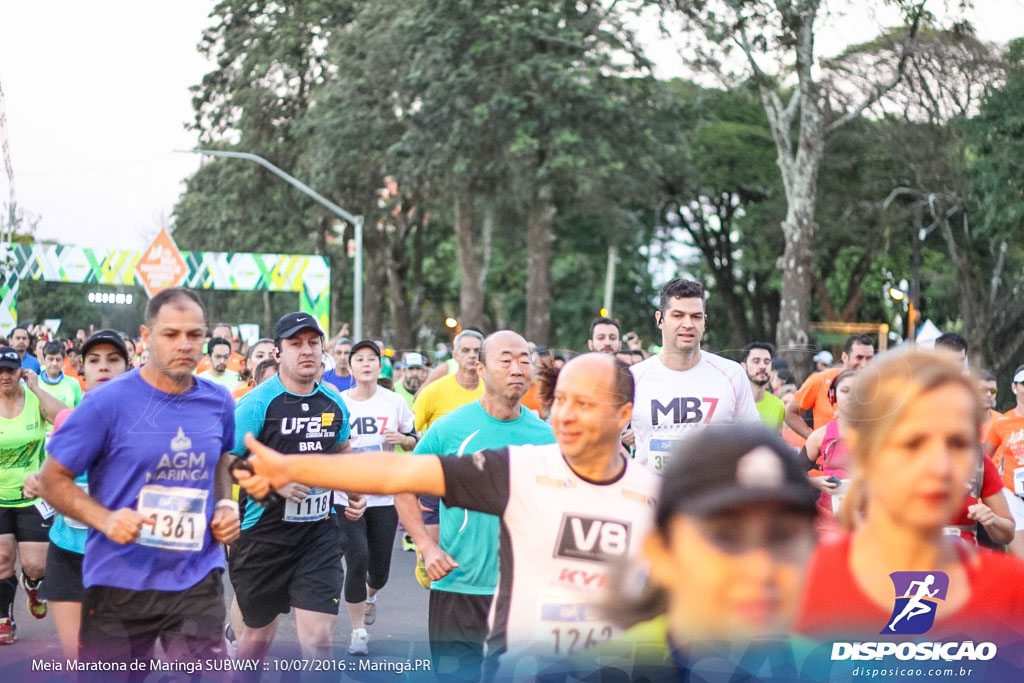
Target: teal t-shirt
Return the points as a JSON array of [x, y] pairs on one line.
[[772, 411], [468, 536]]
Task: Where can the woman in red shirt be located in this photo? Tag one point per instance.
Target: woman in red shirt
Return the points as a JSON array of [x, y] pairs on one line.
[[914, 451]]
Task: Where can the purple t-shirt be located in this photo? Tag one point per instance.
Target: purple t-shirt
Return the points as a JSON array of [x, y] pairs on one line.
[[156, 453]]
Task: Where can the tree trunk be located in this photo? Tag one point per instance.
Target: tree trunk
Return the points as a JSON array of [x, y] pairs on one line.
[[471, 294], [791, 337], [539, 239], [404, 336]]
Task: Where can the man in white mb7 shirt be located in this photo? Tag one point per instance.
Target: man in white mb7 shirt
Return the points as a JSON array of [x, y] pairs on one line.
[[684, 388]]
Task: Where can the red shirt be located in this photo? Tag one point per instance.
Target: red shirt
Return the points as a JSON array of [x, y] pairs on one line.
[[834, 605]]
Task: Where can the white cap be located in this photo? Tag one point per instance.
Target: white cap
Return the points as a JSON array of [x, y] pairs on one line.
[[1019, 377], [413, 360], [823, 357]]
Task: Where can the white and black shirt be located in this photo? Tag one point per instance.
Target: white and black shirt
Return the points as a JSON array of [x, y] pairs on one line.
[[559, 532], [669, 404]]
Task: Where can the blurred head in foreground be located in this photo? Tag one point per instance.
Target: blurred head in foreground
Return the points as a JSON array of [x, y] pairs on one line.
[[734, 530]]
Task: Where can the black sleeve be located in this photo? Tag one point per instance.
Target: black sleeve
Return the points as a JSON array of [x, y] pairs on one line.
[[477, 482]]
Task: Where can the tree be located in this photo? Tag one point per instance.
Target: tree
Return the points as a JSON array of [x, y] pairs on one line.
[[776, 39]]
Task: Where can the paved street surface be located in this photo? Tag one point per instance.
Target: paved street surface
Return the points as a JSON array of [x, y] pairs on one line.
[[398, 638]]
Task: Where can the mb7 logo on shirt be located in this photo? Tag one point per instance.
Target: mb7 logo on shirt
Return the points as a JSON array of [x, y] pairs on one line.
[[592, 539], [917, 596], [363, 426], [684, 410]]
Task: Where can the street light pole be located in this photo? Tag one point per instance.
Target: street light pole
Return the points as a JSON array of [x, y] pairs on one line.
[[356, 221]]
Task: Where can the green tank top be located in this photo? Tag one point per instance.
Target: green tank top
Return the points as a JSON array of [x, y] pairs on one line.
[[21, 451]]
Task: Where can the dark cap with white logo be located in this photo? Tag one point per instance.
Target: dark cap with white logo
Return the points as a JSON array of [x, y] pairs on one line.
[[9, 358], [720, 469], [293, 323]]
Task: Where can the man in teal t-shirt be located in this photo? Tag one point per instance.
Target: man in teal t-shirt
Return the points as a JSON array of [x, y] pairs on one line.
[[757, 363], [463, 566]]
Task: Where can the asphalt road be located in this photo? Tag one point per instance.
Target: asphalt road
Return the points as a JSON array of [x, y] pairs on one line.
[[397, 639]]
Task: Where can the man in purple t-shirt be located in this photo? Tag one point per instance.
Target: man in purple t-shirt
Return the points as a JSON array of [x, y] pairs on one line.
[[155, 443]]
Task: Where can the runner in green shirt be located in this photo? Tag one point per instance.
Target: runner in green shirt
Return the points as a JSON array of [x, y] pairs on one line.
[[24, 519], [757, 363], [53, 381]]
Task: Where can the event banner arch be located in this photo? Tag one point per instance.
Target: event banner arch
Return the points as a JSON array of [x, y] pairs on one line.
[[309, 276]]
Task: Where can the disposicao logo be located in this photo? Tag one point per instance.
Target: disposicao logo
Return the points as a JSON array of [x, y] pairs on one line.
[[918, 595], [917, 599]]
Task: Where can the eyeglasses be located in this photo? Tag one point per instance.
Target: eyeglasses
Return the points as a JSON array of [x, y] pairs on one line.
[[787, 539]]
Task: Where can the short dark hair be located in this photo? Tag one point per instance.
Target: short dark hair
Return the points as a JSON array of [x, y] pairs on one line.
[[603, 321], [862, 339], [54, 348], [217, 341], [985, 375], [757, 345], [951, 341], [264, 365], [680, 288], [170, 296]]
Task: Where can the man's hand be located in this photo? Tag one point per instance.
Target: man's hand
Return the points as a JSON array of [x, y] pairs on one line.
[[31, 488], [628, 437], [123, 526], [393, 438], [269, 467], [356, 507], [438, 563], [225, 525], [296, 493]]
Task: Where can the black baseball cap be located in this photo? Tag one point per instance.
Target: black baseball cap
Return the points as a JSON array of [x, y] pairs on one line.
[[293, 323], [9, 358], [111, 337], [365, 344], [719, 469]]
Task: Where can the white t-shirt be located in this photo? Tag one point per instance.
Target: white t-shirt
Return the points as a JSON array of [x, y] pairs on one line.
[[368, 419], [559, 534], [669, 404]]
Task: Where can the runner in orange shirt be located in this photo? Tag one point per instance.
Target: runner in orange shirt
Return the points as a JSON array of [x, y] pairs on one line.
[[813, 395], [1005, 441]]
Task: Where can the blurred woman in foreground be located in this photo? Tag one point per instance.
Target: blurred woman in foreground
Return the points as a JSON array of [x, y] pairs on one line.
[[913, 446]]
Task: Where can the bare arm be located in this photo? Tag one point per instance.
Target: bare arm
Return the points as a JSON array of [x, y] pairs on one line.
[[59, 490], [437, 562], [794, 420], [48, 405], [994, 515], [222, 477], [380, 473]]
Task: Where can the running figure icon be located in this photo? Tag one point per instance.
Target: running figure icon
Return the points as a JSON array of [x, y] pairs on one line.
[[915, 605]]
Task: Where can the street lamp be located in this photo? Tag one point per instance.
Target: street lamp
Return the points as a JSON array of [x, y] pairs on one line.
[[356, 221], [900, 294]]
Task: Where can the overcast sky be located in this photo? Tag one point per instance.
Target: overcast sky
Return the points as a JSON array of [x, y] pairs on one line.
[[97, 100]]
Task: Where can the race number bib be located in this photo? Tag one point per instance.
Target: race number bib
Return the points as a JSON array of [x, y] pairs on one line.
[[175, 517], [74, 523], [571, 627], [45, 509], [660, 453], [1018, 481], [316, 506]]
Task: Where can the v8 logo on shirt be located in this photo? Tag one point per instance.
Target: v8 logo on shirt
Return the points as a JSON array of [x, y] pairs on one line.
[[592, 538]]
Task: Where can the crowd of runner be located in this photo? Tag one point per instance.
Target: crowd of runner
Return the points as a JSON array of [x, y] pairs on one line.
[[560, 504]]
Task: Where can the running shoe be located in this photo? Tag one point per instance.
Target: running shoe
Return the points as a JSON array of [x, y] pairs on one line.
[[360, 643], [407, 544], [8, 632], [371, 611], [421, 572], [36, 607], [232, 642]]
